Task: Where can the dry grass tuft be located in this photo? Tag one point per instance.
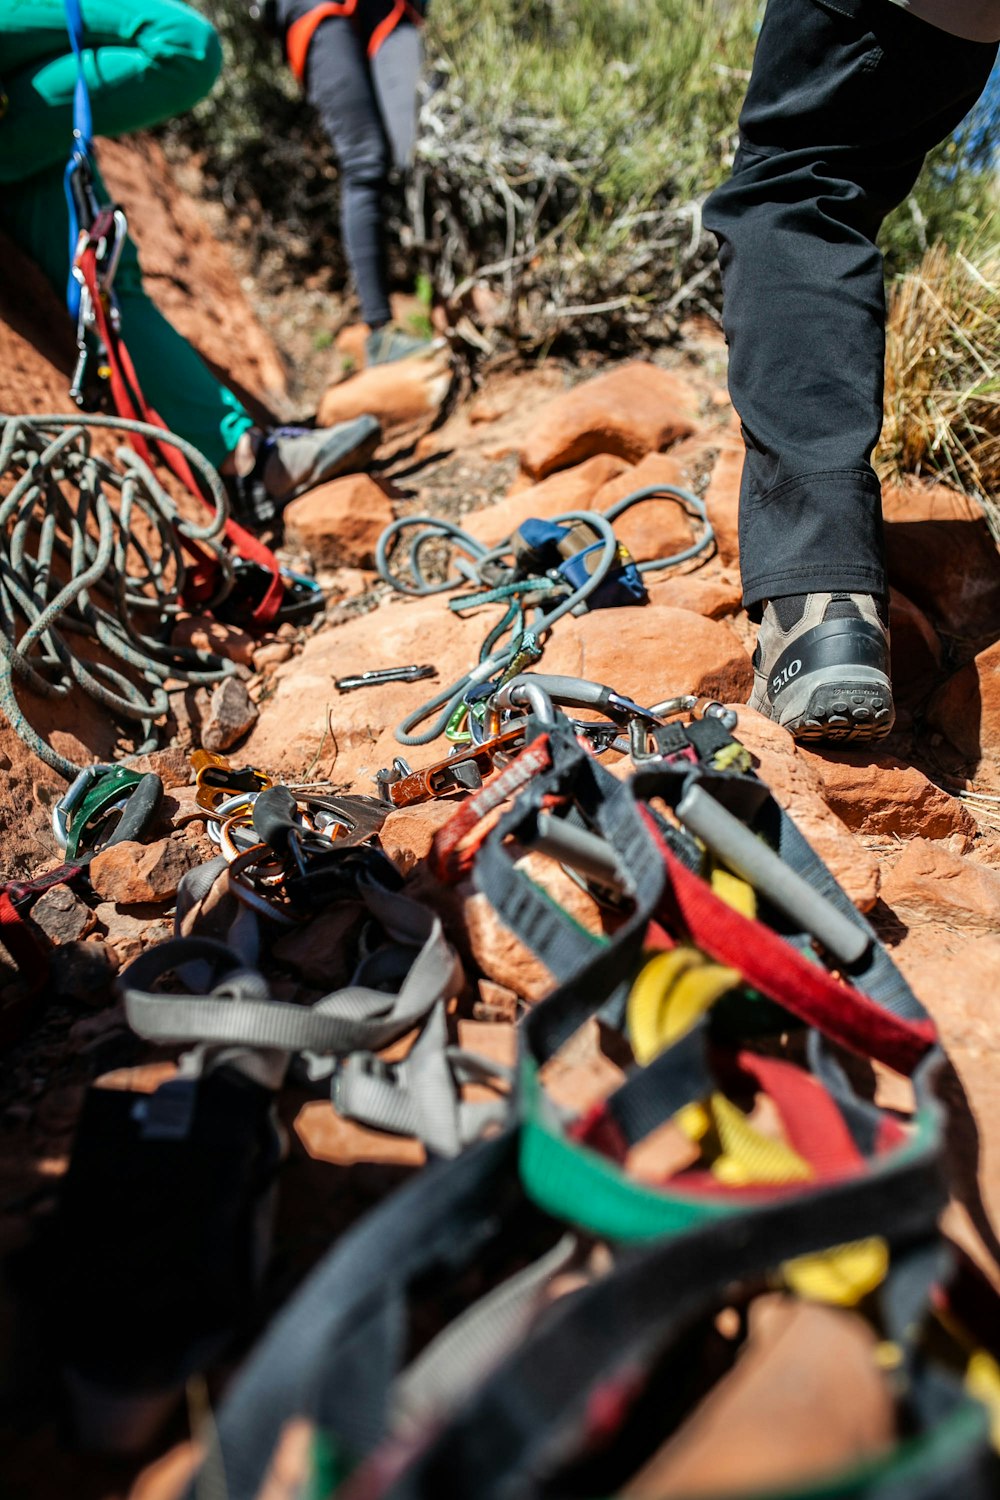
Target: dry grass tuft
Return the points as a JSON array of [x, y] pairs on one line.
[[942, 391]]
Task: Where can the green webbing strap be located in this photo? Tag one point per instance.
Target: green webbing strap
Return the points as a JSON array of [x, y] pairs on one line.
[[580, 1186]]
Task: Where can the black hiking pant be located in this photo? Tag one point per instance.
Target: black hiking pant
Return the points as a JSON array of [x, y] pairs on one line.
[[368, 105], [845, 100]]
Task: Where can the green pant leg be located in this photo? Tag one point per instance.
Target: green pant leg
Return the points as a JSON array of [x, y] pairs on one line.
[[145, 61], [174, 380]]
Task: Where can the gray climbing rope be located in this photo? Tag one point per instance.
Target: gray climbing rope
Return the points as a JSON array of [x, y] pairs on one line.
[[490, 568], [94, 550]]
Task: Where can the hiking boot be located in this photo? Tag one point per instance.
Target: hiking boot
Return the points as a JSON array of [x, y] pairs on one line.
[[385, 345], [821, 667], [291, 460]]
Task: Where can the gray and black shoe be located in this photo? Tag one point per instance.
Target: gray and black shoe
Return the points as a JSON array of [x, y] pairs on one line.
[[291, 460], [821, 667], [386, 345]]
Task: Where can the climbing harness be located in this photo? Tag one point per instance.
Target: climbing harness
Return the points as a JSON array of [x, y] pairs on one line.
[[842, 1207], [734, 969]]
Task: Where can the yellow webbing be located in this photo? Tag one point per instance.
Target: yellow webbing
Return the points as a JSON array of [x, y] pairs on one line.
[[670, 993]]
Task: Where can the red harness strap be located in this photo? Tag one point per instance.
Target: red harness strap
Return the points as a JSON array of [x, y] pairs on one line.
[[779, 971], [26, 945], [301, 32], [453, 851], [130, 403]]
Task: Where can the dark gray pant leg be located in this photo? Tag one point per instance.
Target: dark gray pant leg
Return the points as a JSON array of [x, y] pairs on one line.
[[339, 85], [845, 99], [396, 73]]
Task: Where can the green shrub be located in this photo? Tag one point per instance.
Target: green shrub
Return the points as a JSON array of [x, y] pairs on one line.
[[565, 149]]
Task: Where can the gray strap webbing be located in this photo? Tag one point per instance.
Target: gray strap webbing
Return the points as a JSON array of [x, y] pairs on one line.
[[346, 1021], [243, 933], [421, 1095], [474, 1344]]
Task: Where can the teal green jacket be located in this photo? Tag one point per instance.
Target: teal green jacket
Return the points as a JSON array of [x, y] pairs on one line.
[[157, 59]]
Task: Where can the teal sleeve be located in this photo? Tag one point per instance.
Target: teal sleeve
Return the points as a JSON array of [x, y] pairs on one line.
[[144, 62], [175, 381]]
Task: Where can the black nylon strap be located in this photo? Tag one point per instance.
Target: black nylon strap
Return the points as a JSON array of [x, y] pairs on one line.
[[531, 1414], [342, 1320]]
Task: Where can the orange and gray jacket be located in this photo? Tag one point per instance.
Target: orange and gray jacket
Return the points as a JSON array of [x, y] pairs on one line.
[[299, 20]]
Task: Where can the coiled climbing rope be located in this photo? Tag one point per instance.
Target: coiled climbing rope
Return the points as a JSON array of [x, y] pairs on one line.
[[96, 551]]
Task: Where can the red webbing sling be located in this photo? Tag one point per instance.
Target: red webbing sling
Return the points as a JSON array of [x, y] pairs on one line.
[[130, 403], [779, 971]]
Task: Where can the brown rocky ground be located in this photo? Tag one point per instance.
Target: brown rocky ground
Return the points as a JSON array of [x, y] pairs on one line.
[[911, 829]]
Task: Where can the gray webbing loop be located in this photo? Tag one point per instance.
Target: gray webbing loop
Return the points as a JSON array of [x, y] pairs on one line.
[[431, 1387], [421, 1094], [349, 1020]]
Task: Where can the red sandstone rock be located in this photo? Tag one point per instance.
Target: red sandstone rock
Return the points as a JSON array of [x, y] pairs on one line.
[[581, 1074], [652, 652], [62, 916], [569, 489], [202, 633], [271, 655], [130, 931], [632, 410], [344, 1143], [915, 649], [398, 393], [340, 523], [942, 556], [799, 789], [407, 833], [231, 712], [709, 590], [496, 1003], [877, 794], [806, 1398], [171, 764], [722, 500], [131, 873], [966, 710], [929, 883]]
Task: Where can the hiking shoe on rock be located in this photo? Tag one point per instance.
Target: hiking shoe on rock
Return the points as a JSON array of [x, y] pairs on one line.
[[385, 345], [291, 460], [821, 667]]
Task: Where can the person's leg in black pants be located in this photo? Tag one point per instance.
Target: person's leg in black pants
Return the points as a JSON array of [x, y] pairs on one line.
[[368, 106], [339, 84], [845, 99]]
